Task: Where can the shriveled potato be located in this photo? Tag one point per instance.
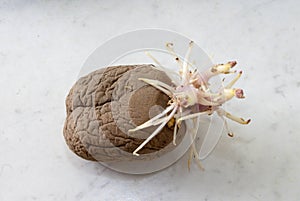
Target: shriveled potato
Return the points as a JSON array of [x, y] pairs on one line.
[[103, 105]]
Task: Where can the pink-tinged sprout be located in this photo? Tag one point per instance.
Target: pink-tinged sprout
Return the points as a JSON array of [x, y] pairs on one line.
[[204, 76], [239, 93], [223, 68]]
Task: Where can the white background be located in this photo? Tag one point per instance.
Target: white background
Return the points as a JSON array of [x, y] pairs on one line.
[[43, 45]]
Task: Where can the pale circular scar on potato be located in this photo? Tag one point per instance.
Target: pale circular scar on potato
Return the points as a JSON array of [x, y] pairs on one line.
[[103, 105]]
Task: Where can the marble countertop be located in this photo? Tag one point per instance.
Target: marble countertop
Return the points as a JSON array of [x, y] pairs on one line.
[[43, 45]]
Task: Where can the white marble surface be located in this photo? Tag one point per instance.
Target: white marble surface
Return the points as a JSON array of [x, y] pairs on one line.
[[43, 45]]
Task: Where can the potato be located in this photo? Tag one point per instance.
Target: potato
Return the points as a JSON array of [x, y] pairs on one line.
[[103, 105]]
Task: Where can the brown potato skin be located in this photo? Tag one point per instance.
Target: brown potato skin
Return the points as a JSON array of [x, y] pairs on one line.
[[104, 104]]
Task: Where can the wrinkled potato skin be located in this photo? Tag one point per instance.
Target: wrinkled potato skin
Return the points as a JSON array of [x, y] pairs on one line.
[[104, 104]]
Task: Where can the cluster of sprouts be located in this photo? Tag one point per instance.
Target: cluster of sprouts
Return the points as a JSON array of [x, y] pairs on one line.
[[192, 91]]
